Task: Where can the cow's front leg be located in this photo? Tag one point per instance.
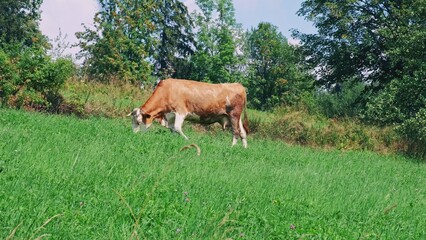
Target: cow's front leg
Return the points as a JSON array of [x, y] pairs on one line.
[[179, 118]]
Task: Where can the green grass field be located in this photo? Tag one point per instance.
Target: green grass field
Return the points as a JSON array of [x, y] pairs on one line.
[[67, 178]]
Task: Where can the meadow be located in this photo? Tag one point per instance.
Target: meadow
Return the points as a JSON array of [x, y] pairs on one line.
[[67, 178]]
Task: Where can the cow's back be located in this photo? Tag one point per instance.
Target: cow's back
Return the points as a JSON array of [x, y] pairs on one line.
[[200, 97]]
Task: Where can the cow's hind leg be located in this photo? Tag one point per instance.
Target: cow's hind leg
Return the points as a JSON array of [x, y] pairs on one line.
[[235, 128], [179, 118], [243, 133]]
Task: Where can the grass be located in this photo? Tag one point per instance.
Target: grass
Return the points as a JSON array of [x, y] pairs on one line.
[[68, 178], [297, 126], [103, 99], [289, 124]]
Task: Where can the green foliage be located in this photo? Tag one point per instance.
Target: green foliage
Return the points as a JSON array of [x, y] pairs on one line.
[[94, 179], [28, 76], [119, 45], [274, 77], [341, 101], [19, 23], [173, 29], [134, 39], [400, 100], [31, 79], [411, 94], [414, 132], [383, 109], [8, 76], [218, 38], [352, 44], [297, 126]]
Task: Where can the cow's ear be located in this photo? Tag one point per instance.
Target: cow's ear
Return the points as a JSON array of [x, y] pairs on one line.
[[146, 115]]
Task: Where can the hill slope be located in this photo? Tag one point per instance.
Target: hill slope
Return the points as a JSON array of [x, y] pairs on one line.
[[94, 179]]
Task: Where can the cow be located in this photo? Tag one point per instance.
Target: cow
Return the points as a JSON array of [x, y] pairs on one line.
[[211, 102]]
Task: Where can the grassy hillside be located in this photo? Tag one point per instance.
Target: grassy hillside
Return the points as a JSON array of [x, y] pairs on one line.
[[294, 126], [67, 178]]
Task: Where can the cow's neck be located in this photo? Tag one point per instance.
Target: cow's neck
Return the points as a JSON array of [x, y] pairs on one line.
[[153, 106]]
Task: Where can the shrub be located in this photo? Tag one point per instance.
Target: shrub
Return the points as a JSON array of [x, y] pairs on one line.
[[8, 76], [400, 100], [341, 101], [31, 79], [298, 126], [382, 109], [413, 131]]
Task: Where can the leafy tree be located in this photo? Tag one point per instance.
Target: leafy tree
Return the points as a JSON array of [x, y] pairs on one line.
[[133, 38], [28, 76], [218, 40], [374, 42], [400, 100], [274, 76], [175, 38], [19, 24], [120, 43]]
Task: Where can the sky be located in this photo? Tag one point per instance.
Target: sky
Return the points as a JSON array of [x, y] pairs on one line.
[[67, 16]]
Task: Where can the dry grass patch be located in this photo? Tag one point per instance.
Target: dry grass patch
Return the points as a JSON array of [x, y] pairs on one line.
[[109, 100]]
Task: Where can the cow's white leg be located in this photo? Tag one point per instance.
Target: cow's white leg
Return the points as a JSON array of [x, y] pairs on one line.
[[164, 123], [234, 140], [235, 129], [179, 118], [243, 134]]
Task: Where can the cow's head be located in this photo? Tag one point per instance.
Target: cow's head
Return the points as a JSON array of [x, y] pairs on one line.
[[140, 119]]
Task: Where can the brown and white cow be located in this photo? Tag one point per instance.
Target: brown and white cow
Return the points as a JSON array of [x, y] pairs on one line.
[[212, 102]]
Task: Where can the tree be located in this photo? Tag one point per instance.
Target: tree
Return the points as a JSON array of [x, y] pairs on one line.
[[133, 39], [173, 29], [19, 23], [374, 42], [218, 42], [120, 43], [274, 76], [28, 76], [348, 43]]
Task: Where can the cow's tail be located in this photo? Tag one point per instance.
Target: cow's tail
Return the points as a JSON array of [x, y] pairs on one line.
[[245, 121]]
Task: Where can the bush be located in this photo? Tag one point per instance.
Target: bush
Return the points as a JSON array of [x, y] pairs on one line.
[[8, 76], [299, 126], [400, 100], [413, 131], [340, 101], [31, 79], [383, 109]]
